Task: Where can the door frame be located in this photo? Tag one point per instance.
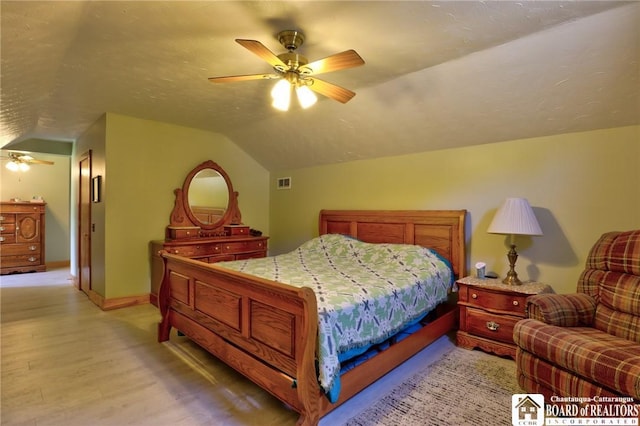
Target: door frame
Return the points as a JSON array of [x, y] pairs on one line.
[[84, 222]]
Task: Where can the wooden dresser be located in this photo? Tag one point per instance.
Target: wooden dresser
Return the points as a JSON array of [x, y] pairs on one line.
[[488, 311], [205, 224], [208, 250], [21, 237]]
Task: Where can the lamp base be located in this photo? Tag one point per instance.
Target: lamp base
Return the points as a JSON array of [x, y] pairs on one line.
[[512, 276], [511, 279]]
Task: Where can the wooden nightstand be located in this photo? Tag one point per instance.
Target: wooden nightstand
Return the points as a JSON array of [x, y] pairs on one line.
[[489, 310]]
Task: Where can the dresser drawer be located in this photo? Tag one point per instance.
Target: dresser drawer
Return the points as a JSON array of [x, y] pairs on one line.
[[17, 249], [491, 326], [243, 246], [7, 239], [253, 255], [221, 258], [9, 208], [7, 218], [197, 250], [7, 227], [210, 250], [20, 260], [491, 300]]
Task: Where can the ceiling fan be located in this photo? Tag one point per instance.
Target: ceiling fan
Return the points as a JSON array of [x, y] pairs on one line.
[[295, 71], [21, 161]]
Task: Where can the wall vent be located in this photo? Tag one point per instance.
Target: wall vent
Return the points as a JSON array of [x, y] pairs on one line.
[[284, 183]]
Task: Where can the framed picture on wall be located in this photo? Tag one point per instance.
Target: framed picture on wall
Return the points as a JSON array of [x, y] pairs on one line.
[[96, 189]]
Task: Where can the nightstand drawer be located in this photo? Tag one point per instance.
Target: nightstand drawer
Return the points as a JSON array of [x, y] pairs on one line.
[[494, 327], [495, 301]]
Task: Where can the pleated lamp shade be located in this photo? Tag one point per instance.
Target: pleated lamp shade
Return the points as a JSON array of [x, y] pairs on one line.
[[515, 217]]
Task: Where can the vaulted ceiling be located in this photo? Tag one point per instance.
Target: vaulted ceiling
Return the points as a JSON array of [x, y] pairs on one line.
[[437, 74]]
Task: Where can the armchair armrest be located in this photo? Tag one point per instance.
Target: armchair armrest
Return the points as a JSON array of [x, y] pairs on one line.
[[564, 310]]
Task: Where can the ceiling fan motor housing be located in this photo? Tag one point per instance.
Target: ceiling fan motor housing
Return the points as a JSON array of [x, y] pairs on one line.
[[293, 60], [291, 39]]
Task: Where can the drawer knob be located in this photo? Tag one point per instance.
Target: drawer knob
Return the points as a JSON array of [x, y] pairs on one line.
[[516, 303], [32, 259], [474, 296], [2, 218], [32, 248], [493, 326], [1, 228], [1, 238]]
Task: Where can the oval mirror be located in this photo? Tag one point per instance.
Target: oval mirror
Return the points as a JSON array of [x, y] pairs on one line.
[[207, 193], [208, 196]]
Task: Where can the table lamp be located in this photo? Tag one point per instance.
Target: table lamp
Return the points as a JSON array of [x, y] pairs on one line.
[[514, 217]]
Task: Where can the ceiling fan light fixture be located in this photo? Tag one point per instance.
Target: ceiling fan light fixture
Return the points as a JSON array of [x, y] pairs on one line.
[[306, 97], [16, 165], [281, 94]]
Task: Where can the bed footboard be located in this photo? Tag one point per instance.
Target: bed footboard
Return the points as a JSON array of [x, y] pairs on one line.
[[265, 330]]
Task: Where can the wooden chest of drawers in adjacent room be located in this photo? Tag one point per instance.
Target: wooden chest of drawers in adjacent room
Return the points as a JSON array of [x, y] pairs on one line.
[[488, 311], [21, 237]]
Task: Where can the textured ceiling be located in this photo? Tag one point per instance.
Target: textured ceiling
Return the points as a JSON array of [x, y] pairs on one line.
[[437, 74]]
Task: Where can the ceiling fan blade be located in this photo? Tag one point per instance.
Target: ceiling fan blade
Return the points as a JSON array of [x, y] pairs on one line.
[[259, 49], [339, 61], [232, 78], [331, 90], [34, 161]]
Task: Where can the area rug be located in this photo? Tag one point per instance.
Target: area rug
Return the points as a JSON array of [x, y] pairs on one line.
[[462, 388]]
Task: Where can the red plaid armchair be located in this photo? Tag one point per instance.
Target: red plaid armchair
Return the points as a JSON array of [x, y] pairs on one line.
[[587, 343]]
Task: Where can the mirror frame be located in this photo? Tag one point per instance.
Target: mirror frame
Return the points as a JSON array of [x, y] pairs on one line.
[[182, 215]]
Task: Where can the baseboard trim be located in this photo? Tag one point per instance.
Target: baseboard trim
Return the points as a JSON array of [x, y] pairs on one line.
[[124, 302], [58, 264], [116, 303]]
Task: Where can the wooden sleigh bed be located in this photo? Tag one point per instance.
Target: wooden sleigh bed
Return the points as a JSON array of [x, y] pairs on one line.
[[267, 330]]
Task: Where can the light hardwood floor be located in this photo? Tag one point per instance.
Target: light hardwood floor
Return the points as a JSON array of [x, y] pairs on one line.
[[66, 362]]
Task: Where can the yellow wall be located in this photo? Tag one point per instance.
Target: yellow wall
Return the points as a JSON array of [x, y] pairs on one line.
[[579, 185], [144, 161]]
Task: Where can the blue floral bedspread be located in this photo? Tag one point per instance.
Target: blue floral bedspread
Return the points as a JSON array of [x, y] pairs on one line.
[[365, 292]]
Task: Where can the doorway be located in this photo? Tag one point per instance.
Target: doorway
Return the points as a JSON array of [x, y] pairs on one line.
[[84, 221]]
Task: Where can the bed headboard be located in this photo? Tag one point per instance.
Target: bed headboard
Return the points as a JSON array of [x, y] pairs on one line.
[[440, 230]]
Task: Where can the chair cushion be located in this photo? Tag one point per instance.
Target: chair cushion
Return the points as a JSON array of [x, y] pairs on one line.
[[536, 375], [594, 355], [566, 310]]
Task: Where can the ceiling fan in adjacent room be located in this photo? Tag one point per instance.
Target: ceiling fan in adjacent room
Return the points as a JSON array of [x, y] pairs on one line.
[[21, 161], [295, 72]]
